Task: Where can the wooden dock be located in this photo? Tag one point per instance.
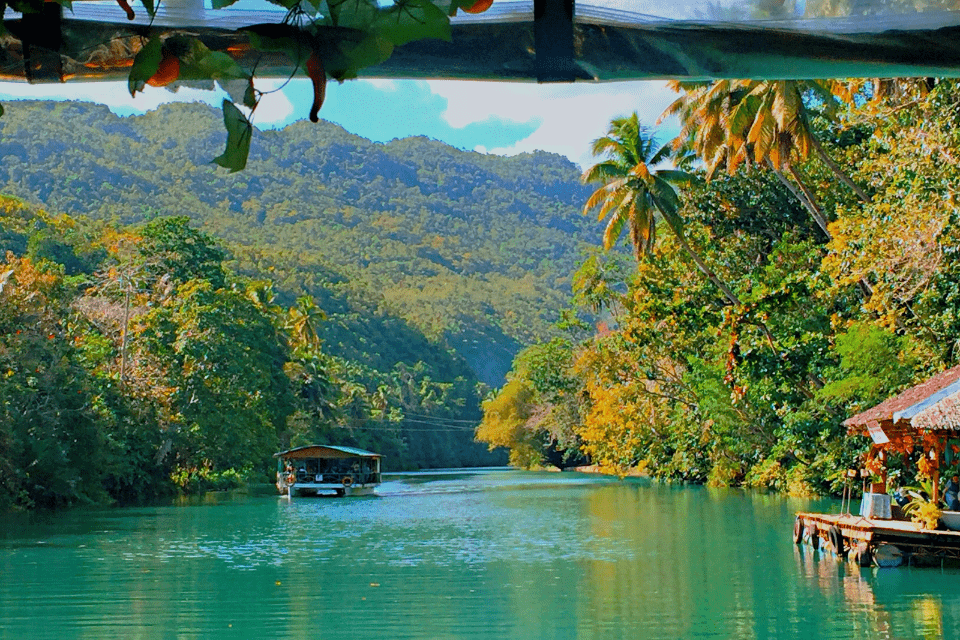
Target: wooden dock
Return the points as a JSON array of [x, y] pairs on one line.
[[870, 541]]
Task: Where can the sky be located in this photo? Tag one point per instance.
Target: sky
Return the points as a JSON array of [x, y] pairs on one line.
[[502, 118]]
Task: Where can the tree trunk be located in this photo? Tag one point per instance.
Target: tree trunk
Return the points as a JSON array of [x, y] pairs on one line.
[[707, 271], [837, 171], [734, 300], [806, 198], [811, 207], [123, 337]]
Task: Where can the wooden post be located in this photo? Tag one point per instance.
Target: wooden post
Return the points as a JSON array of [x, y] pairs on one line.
[[936, 472], [883, 474]]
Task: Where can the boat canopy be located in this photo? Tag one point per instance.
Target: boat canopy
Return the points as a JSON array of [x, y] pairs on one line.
[[324, 451]]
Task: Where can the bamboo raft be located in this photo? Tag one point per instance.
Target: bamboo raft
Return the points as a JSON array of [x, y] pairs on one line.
[[871, 541]]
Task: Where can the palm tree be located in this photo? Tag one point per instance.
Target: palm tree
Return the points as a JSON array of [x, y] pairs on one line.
[[633, 192], [302, 322], [729, 122]]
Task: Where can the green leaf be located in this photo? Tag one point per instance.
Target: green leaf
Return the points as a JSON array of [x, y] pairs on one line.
[[286, 4], [678, 177], [410, 20], [356, 14], [1, 110], [250, 96], [354, 56], [220, 4], [145, 65], [198, 62], [317, 6], [239, 133], [147, 4]]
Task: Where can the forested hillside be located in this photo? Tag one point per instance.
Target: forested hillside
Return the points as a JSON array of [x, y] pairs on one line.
[[135, 362], [473, 251]]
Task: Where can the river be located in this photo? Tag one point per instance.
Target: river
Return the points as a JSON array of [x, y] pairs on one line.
[[493, 554]]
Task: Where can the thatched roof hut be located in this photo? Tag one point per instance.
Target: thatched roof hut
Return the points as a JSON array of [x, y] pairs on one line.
[[925, 416]]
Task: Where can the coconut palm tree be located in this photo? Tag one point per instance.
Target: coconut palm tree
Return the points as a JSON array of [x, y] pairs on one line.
[[633, 192], [730, 122], [302, 322]]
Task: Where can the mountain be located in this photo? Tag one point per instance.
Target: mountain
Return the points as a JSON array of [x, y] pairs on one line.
[[411, 238]]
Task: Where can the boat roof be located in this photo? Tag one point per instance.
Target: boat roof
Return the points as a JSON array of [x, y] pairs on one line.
[[325, 451]]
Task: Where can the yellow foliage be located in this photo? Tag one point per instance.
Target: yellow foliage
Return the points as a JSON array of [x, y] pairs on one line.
[[625, 413], [504, 417], [896, 241]]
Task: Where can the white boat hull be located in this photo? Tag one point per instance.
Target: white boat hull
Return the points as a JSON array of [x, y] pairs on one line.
[[298, 489]]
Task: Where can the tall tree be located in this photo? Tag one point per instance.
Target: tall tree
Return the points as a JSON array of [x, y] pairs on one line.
[[729, 122], [633, 191], [302, 322]]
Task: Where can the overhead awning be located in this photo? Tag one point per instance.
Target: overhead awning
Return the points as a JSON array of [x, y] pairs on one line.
[[548, 40]]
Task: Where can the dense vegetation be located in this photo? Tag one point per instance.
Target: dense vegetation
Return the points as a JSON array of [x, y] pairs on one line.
[[801, 269], [360, 294], [474, 251], [134, 364]]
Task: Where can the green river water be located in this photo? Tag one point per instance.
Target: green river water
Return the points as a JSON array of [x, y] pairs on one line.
[[492, 554]]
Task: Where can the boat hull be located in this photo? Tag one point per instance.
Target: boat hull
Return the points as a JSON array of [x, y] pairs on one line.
[[302, 489]]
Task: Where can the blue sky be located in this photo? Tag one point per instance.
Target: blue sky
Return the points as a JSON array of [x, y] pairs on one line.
[[490, 117]]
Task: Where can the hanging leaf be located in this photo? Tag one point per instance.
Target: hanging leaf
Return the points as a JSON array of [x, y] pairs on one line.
[[1, 110], [318, 76], [149, 6], [239, 133], [145, 64], [241, 91], [250, 96], [410, 20], [354, 14], [126, 7], [353, 57], [220, 4], [198, 62]]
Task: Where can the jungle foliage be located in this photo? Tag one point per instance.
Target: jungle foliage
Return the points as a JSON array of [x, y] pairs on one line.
[[135, 362], [802, 271], [411, 237]]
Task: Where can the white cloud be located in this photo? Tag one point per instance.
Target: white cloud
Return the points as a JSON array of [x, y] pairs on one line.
[[381, 84], [274, 108], [570, 116], [113, 94]]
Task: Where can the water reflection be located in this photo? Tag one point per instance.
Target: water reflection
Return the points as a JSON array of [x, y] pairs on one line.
[[885, 603], [490, 555]]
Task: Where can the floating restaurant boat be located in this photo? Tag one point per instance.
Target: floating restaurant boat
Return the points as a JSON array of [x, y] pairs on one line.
[[919, 428], [324, 469]]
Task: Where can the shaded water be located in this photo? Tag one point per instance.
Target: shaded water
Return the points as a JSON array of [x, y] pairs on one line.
[[496, 554]]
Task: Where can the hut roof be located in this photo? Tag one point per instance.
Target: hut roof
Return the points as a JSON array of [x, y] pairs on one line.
[[933, 404], [325, 451]]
